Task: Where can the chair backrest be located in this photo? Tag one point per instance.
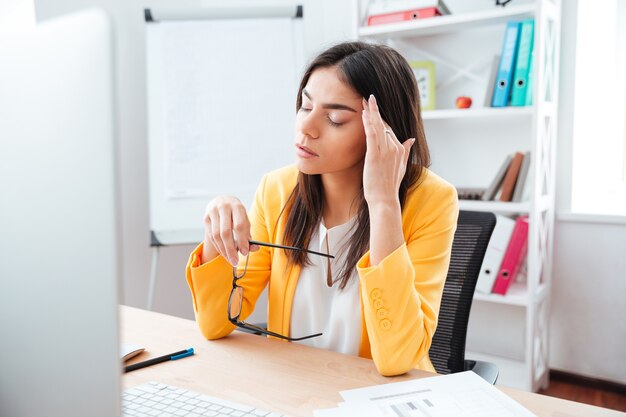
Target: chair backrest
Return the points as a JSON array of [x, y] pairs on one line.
[[447, 351]]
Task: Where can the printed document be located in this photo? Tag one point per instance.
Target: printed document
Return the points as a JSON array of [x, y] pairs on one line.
[[464, 394]]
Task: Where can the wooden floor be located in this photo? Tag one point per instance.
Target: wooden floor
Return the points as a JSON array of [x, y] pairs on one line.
[[586, 393]]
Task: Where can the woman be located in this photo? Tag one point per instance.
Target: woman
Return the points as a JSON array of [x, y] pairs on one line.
[[360, 190]]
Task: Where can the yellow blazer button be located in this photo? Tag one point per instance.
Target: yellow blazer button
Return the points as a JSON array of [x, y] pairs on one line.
[[385, 324], [381, 313], [378, 303], [375, 293]]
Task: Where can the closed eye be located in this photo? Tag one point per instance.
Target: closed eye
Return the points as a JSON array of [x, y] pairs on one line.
[[328, 116], [332, 122]]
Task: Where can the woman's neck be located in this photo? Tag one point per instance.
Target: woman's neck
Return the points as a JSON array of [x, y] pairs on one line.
[[341, 190]]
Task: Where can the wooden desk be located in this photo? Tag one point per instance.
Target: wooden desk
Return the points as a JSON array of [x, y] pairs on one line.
[[275, 375]]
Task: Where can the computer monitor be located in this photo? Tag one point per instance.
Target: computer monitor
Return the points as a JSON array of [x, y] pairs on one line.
[[59, 262]]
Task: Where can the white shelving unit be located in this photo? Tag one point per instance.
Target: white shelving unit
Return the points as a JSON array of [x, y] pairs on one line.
[[468, 146]]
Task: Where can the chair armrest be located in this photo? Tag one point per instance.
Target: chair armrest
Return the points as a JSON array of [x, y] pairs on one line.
[[486, 370]]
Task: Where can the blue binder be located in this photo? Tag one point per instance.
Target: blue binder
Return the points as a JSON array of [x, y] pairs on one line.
[[529, 89], [522, 64], [502, 89]]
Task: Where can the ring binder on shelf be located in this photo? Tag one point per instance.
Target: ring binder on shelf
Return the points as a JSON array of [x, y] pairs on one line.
[[502, 90], [522, 64]]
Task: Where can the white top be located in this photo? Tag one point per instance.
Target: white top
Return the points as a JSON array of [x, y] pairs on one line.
[[319, 309]]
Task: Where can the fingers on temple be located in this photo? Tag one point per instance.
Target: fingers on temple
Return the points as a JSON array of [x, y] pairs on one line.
[[373, 103], [376, 117], [368, 125]]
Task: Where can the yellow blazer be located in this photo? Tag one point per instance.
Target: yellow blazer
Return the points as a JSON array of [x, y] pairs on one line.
[[400, 297]]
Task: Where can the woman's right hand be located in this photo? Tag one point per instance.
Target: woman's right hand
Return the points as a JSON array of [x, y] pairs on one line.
[[226, 230]]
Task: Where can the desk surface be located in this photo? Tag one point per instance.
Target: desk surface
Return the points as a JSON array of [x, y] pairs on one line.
[[275, 375]]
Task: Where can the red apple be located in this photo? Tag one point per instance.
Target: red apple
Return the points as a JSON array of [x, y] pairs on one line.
[[463, 102]]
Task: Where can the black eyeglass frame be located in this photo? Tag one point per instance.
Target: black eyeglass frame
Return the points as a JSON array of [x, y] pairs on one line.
[[236, 277]]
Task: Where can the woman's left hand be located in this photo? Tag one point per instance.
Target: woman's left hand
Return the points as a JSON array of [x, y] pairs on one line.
[[385, 158]]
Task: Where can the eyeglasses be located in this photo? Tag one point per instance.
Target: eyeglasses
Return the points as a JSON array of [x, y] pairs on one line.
[[235, 301]]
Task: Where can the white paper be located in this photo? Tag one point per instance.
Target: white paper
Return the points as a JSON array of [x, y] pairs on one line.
[[229, 116], [463, 394], [128, 351]]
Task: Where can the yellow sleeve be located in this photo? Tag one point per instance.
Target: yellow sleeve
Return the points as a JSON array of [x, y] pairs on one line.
[[402, 294], [211, 283], [210, 286]]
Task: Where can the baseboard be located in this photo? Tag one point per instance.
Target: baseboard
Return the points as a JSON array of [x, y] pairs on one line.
[[586, 381]]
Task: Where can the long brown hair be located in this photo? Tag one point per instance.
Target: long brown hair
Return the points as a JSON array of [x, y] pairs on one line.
[[368, 69]]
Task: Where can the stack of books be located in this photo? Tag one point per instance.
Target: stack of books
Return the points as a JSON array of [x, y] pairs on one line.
[[510, 81], [510, 181], [466, 193], [381, 12]]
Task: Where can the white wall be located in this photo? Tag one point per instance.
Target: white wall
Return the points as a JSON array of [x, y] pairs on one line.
[[587, 327], [588, 330]]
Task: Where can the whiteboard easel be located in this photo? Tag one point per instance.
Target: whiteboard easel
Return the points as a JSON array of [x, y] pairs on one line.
[[221, 109]]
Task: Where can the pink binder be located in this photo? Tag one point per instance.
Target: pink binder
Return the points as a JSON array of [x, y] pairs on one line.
[[514, 256]]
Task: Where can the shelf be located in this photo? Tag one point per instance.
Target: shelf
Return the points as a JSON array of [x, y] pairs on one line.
[[517, 295], [512, 372], [495, 206], [448, 23], [480, 112]]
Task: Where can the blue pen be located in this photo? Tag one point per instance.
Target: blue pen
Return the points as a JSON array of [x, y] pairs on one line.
[[169, 357]]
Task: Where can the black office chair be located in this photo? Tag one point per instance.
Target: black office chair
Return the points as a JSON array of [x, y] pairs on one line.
[[447, 351]]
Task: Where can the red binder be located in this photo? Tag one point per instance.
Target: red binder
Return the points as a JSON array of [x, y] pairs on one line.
[[514, 256], [381, 19]]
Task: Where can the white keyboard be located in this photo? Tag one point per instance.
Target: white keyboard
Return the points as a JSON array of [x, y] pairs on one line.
[[155, 399]]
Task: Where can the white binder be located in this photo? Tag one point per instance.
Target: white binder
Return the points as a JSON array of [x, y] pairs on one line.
[[495, 252]]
